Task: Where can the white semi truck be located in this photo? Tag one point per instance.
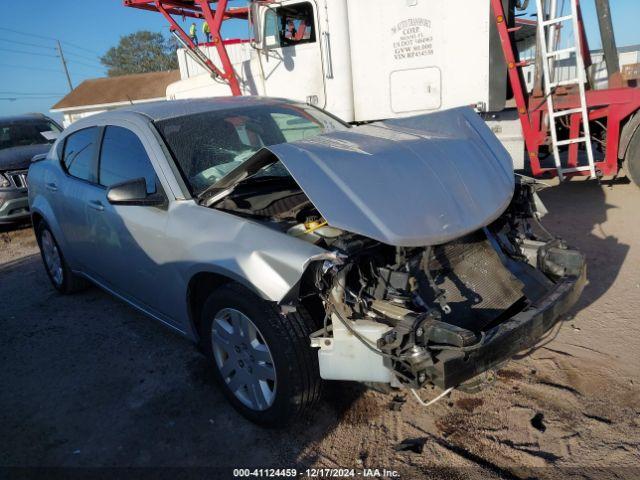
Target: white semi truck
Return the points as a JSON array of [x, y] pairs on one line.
[[367, 60], [370, 60], [364, 60]]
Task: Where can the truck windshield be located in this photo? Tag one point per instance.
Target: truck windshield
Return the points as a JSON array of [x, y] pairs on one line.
[[19, 134], [206, 146]]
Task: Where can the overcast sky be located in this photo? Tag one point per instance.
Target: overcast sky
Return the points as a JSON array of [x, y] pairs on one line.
[[31, 73]]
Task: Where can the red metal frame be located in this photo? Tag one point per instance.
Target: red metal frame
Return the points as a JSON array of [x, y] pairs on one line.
[[614, 105], [200, 9]]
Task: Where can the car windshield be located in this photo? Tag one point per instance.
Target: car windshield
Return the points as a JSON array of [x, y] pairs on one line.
[[29, 132], [206, 146]]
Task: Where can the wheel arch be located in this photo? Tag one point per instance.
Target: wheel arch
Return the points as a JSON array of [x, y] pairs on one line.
[[200, 286], [41, 212], [36, 219]]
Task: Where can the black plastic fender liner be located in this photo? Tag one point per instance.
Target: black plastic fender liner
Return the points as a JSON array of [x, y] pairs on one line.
[[501, 342]]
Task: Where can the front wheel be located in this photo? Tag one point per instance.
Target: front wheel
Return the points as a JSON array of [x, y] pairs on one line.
[[261, 358]]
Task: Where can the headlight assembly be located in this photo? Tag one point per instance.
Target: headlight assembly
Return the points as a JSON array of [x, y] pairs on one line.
[[4, 181]]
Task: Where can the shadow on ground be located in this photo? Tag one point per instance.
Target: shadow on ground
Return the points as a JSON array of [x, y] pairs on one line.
[[90, 382], [578, 213], [87, 381]]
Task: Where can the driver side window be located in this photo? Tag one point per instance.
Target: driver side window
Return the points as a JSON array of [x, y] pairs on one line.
[[289, 25], [123, 157], [80, 153]]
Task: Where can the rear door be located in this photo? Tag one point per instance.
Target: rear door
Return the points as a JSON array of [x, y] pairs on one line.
[[292, 58]]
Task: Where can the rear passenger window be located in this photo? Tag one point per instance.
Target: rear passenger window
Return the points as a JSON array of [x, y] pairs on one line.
[[123, 158], [80, 153]]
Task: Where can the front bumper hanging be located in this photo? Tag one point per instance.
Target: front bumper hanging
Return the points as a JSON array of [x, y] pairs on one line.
[[520, 332]]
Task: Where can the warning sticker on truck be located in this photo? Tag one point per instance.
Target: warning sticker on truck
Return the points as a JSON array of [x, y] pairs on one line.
[[412, 38]]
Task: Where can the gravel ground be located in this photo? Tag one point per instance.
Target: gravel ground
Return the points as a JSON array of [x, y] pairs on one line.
[[88, 382]]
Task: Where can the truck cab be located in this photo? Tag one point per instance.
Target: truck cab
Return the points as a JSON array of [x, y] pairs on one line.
[[363, 60]]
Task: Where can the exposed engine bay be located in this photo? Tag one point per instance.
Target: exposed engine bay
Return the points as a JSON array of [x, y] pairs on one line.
[[439, 314]]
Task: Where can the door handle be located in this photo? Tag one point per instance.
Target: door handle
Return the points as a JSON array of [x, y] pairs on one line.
[[52, 187], [96, 205], [327, 52]]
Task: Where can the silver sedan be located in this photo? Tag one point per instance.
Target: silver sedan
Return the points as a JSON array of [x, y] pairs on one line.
[[294, 248]]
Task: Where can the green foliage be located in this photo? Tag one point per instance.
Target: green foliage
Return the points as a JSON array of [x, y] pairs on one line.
[[141, 52]]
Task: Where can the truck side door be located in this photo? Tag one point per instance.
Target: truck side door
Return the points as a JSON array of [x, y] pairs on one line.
[[292, 57]]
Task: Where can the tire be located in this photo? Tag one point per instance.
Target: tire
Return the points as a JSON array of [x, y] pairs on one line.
[[271, 379], [58, 271], [632, 158]]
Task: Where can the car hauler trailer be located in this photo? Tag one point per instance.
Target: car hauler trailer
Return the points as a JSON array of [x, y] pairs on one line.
[[369, 60]]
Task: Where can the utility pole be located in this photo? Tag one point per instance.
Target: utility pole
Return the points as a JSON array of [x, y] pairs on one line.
[[64, 65], [603, 10]]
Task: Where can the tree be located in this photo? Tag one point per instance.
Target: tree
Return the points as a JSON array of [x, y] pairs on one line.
[[140, 52]]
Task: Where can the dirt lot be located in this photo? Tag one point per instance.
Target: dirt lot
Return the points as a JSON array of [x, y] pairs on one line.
[[86, 381]]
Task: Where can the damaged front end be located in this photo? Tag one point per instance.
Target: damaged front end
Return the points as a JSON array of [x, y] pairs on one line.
[[443, 314], [435, 268]]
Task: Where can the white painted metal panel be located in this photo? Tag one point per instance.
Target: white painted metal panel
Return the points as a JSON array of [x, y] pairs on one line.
[[295, 71], [392, 43], [416, 89], [238, 53], [507, 127]]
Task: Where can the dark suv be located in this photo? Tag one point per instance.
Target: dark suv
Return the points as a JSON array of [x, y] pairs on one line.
[[21, 138]]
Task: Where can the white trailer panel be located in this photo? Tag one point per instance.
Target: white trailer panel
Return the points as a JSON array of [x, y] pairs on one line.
[[414, 56]]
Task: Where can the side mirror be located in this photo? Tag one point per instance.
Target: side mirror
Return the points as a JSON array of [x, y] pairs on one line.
[[254, 21], [134, 192], [271, 33]]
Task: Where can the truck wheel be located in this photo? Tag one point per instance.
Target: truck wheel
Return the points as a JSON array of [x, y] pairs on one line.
[[261, 358], [632, 158], [58, 271]]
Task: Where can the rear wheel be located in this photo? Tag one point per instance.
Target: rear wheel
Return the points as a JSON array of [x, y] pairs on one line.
[[632, 158], [261, 358], [58, 271]]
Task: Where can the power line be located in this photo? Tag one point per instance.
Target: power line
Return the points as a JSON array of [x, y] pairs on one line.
[[27, 98], [14, 99], [34, 35], [26, 34], [28, 67], [94, 59], [28, 53], [75, 62], [30, 93], [73, 45], [26, 44], [95, 63]]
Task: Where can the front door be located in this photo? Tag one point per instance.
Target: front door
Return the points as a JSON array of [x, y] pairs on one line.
[[128, 240], [291, 59], [69, 195]]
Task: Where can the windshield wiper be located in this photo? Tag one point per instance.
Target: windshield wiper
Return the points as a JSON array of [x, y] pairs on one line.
[[242, 172]]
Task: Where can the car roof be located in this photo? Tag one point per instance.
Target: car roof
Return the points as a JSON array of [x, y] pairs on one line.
[[25, 117], [166, 109]]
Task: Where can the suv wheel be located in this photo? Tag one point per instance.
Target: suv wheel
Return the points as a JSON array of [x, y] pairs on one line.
[[61, 276], [261, 358]]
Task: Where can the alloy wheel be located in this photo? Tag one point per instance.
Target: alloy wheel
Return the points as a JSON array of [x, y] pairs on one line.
[[52, 259], [243, 359]]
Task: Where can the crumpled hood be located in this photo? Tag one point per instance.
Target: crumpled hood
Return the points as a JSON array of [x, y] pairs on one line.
[[415, 181], [19, 158]]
